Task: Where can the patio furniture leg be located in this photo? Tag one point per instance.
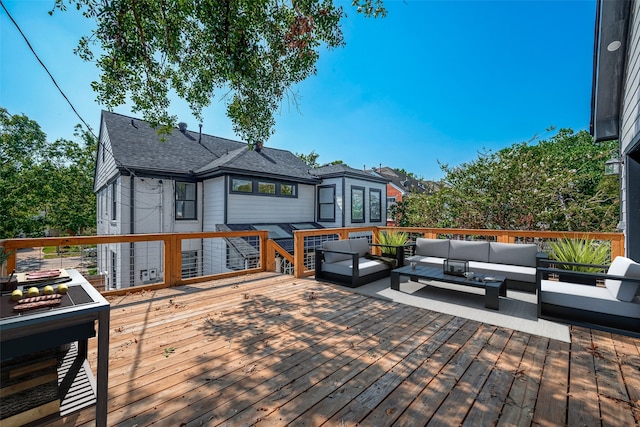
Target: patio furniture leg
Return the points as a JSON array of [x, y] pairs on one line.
[[395, 281], [493, 291]]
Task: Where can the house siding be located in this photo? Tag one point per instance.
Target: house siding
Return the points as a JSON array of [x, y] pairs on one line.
[[629, 135], [213, 204], [105, 169], [213, 213], [339, 205], [351, 182], [248, 209]]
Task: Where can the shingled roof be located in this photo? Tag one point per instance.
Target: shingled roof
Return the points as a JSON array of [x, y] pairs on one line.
[[138, 148], [406, 183], [331, 171]]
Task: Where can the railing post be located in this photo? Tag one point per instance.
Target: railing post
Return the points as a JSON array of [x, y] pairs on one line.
[[168, 261], [266, 254], [430, 234], [11, 260], [298, 251], [617, 247], [503, 237]]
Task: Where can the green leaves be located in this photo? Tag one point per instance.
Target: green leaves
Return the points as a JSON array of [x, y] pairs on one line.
[[252, 52], [44, 185], [556, 184], [583, 251], [392, 238]]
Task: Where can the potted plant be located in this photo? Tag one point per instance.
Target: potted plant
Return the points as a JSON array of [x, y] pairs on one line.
[[392, 238], [583, 251]]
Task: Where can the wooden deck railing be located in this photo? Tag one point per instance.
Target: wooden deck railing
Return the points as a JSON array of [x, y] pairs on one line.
[[172, 252], [304, 243]]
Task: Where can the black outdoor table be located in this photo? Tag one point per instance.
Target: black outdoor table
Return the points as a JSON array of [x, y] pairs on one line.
[[73, 321], [494, 286]]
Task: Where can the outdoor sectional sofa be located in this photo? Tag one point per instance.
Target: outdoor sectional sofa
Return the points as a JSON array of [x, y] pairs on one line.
[[517, 262], [349, 262], [609, 300]]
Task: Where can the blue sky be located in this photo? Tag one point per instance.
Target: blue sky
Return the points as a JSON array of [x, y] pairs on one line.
[[434, 81]]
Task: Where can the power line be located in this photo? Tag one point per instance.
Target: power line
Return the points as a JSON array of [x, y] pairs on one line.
[[46, 69], [104, 147]]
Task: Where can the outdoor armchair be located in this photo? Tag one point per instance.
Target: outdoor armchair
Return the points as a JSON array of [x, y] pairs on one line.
[[608, 299]]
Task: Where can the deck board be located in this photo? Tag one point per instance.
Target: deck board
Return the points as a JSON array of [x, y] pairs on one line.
[[584, 405], [268, 349], [524, 392]]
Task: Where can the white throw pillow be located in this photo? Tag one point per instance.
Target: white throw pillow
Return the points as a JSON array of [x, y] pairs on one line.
[[621, 290]]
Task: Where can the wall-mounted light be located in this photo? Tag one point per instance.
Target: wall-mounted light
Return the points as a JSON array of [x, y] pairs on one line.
[[612, 166]]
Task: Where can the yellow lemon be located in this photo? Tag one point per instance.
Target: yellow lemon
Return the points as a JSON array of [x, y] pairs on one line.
[[62, 289], [33, 292], [48, 290], [16, 295]]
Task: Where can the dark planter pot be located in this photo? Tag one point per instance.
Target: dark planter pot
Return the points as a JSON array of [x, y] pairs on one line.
[[568, 277]]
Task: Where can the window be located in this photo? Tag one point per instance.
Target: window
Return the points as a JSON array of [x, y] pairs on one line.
[[327, 203], [357, 204], [186, 200], [258, 187], [241, 185], [287, 190], [375, 205], [266, 187], [114, 205]]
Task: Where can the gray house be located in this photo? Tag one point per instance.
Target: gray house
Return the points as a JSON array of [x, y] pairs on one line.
[[615, 105], [191, 181]]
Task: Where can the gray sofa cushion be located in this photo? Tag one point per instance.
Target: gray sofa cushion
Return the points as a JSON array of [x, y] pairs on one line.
[[511, 272], [621, 290], [513, 254], [336, 245], [438, 248], [360, 245], [427, 261], [470, 251], [345, 268], [585, 297]]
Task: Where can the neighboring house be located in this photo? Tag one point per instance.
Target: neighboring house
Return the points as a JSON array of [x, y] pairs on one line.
[[192, 182], [400, 185], [349, 197], [615, 112]]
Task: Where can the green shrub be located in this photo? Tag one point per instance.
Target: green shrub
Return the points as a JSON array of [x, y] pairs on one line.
[[584, 251], [392, 238]]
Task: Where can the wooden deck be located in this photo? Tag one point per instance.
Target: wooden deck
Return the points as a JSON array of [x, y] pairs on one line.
[[272, 350]]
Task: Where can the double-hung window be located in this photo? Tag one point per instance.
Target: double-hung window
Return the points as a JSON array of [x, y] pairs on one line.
[[357, 204], [114, 200], [186, 202], [327, 203], [375, 205]]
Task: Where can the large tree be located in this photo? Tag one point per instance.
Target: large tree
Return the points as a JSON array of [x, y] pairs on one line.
[[250, 51], [44, 185], [556, 184]]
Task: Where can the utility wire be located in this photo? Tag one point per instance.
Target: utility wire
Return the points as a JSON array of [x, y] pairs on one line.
[[46, 69], [104, 147]]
